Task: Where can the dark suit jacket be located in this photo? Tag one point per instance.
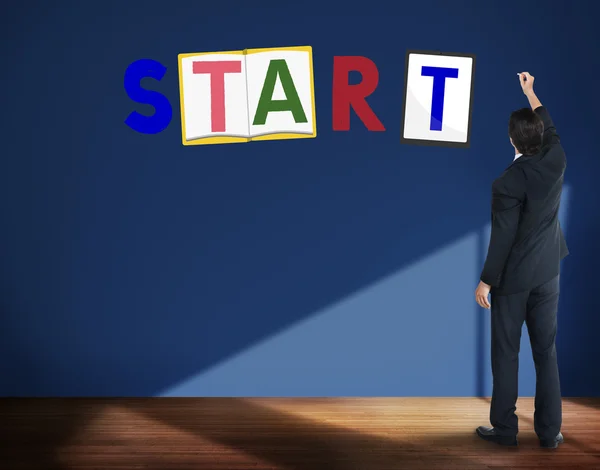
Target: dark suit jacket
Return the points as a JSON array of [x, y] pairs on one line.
[[527, 242]]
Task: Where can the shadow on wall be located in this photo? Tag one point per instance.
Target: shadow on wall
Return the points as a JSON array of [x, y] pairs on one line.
[[367, 335], [402, 336], [139, 305]]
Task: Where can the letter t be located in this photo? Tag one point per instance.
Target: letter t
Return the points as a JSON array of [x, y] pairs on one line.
[[217, 70], [439, 74]]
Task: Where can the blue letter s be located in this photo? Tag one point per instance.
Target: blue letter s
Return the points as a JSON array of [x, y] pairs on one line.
[[159, 121], [439, 74]]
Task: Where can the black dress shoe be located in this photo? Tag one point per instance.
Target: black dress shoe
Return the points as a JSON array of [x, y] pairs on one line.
[[552, 443], [491, 435]]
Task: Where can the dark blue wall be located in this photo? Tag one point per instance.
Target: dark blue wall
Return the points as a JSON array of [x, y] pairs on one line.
[[341, 265]]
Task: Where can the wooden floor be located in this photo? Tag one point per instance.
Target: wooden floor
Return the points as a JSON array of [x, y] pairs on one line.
[[312, 434]]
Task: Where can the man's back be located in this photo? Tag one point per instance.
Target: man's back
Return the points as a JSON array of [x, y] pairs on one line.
[[539, 243]]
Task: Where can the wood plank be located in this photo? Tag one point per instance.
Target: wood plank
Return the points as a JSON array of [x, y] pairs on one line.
[[281, 433]]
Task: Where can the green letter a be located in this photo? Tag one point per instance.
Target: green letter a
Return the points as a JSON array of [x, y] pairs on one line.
[[267, 104]]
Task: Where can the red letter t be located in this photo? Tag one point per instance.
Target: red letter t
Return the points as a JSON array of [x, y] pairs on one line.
[[217, 71]]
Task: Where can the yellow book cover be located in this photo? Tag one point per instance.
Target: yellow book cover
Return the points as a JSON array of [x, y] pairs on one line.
[[252, 94]]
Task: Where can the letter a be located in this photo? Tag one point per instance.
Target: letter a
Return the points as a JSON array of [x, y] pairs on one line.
[[266, 103]]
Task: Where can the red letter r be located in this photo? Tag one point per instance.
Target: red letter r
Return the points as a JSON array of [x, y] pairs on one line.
[[346, 95]]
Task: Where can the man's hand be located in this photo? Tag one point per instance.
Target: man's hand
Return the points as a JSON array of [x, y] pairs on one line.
[[526, 81], [481, 294]]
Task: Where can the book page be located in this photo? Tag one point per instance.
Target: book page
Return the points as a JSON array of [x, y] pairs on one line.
[[280, 93], [214, 105]]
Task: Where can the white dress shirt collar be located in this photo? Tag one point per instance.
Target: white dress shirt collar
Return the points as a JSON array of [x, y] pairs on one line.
[[517, 156]]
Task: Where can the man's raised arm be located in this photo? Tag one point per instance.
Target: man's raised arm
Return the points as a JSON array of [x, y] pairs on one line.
[[550, 135]]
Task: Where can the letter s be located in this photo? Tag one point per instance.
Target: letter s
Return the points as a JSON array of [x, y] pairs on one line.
[[159, 121]]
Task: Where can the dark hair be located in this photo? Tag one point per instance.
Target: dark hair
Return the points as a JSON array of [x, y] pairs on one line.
[[526, 129]]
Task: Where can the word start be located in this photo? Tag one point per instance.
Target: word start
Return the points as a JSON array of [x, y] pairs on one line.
[[269, 94]]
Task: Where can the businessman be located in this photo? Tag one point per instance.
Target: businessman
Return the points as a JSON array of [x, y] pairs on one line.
[[521, 272]]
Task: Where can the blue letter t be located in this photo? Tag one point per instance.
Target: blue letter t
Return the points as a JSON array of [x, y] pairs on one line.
[[439, 74]]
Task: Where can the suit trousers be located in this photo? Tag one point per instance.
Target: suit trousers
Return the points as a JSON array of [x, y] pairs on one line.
[[538, 309]]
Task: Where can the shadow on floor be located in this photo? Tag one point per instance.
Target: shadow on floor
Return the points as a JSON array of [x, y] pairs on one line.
[[236, 434], [35, 432], [299, 443]]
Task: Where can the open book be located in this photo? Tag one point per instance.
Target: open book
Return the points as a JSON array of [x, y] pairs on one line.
[[254, 94]]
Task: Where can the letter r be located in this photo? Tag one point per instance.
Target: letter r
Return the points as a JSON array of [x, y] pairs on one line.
[[346, 96]]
